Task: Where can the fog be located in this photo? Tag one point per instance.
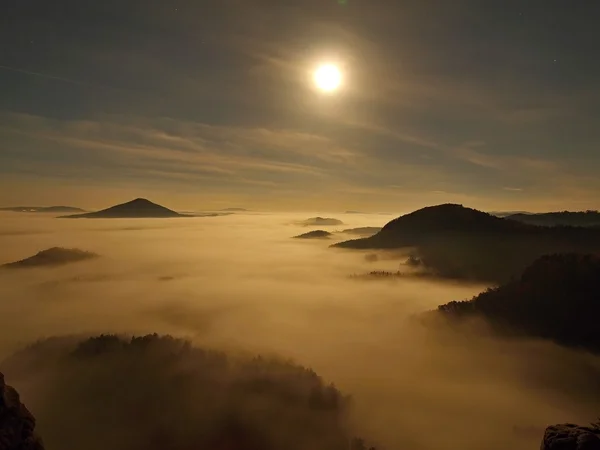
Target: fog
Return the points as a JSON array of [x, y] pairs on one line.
[[240, 283]]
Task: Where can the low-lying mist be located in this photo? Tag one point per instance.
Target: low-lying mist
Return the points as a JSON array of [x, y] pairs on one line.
[[239, 283]]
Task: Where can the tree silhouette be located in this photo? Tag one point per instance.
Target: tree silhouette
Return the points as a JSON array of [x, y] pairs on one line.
[[557, 297]]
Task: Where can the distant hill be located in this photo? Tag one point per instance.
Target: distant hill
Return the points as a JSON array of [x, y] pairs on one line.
[[362, 231], [138, 208], [316, 234], [462, 243], [211, 214], [379, 275], [564, 218], [352, 212], [44, 209], [234, 209], [55, 256], [426, 223], [507, 213], [568, 436], [557, 297], [322, 221]]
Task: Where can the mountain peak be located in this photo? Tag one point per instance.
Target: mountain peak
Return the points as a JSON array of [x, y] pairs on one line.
[[137, 208]]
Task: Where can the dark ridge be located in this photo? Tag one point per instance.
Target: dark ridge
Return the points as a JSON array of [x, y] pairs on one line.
[[564, 218], [322, 221], [411, 228], [316, 234], [557, 298], [378, 275], [462, 243], [448, 217], [158, 392], [505, 214], [234, 209], [55, 256], [569, 436], [17, 424], [138, 208], [363, 231]]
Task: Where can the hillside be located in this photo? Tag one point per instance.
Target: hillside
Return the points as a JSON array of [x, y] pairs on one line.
[[564, 218], [55, 256], [462, 243], [557, 297], [164, 393], [321, 221], [315, 234], [138, 208], [432, 221]]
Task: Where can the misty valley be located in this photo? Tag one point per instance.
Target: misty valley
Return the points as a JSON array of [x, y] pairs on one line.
[[138, 327], [299, 225]]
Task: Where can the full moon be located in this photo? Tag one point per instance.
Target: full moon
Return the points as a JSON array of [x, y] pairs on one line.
[[328, 77]]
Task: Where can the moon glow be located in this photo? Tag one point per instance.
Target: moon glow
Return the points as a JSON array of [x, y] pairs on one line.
[[327, 78]]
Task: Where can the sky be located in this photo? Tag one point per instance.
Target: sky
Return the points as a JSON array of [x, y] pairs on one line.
[[203, 104]]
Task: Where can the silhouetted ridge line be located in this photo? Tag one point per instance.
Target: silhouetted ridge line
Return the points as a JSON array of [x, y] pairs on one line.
[[432, 221], [322, 221], [55, 256], [316, 234], [138, 208], [362, 231], [556, 219], [557, 297], [447, 218], [462, 243]]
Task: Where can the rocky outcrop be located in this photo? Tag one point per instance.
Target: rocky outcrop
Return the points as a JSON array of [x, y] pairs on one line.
[[16, 422], [571, 437]]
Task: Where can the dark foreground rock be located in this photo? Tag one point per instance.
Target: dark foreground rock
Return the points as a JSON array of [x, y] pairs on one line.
[[571, 437], [16, 422]]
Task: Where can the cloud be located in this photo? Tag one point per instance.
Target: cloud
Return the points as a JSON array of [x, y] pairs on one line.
[[239, 283], [353, 158]]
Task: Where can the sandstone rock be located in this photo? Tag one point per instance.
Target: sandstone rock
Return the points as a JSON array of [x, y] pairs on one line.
[[571, 437], [16, 422]]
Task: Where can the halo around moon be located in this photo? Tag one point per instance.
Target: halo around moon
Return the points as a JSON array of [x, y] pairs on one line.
[[327, 78]]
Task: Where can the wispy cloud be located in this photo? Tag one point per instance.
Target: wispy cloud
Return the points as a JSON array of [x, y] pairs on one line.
[[272, 161]]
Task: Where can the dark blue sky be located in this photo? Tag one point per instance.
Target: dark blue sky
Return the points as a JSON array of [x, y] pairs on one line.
[[210, 103]]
